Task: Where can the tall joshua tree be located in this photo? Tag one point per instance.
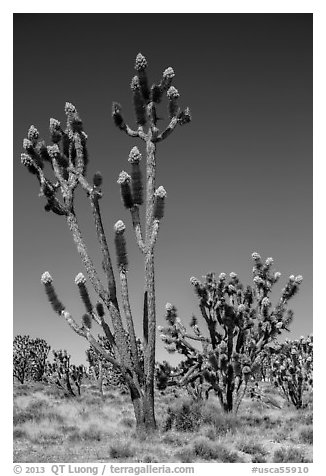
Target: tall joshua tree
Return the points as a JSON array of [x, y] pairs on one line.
[[68, 157]]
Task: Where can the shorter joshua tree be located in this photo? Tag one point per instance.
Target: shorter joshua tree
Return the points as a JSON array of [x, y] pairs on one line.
[[29, 358], [291, 368], [63, 374], [241, 322]]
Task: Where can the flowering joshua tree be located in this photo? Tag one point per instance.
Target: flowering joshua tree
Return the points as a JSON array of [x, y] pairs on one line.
[[68, 157], [241, 324]]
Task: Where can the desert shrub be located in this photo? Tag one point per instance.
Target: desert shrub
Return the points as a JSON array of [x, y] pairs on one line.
[[92, 433], [258, 458], [186, 455], [120, 449], [306, 435], [68, 428], [184, 416], [281, 435], [129, 422], [24, 416], [307, 418], [172, 438], [289, 455], [150, 459], [22, 390], [222, 422], [209, 431], [251, 448], [265, 421], [53, 417], [19, 433], [110, 396], [48, 436], [207, 449]]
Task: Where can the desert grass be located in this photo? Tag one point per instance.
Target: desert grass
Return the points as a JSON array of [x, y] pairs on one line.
[[48, 427]]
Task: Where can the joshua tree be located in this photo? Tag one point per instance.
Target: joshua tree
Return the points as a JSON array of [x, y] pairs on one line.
[[241, 324], [29, 358], [68, 158], [63, 373], [291, 368]]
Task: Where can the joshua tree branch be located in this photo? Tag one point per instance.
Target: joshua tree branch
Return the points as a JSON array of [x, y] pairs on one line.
[[82, 250], [155, 230], [111, 304], [84, 332], [189, 346], [137, 227], [73, 324], [129, 320], [130, 132], [202, 339], [106, 263], [188, 374], [170, 128]]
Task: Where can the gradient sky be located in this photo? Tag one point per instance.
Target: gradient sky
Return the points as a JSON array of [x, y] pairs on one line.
[[238, 178]]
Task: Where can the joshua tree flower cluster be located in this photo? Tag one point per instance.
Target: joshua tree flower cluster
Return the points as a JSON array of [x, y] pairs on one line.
[[65, 375], [67, 156], [291, 368], [29, 358], [241, 323]]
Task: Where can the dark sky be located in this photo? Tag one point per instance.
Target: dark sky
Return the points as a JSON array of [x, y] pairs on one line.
[[238, 178]]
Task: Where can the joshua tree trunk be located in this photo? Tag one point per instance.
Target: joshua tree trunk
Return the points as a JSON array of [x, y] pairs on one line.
[[149, 356]]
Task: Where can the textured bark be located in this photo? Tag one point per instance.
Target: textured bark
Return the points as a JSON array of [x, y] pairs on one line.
[[129, 321], [137, 227], [106, 263], [112, 305], [149, 351]]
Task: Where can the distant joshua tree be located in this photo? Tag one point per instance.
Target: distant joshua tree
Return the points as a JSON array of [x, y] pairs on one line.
[[64, 374], [241, 324], [29, 358], [68, 158]]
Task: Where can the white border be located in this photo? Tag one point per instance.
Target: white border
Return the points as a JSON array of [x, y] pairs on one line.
[[318, 9]]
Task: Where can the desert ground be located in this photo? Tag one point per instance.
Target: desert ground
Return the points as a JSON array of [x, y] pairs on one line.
[[49, 427]]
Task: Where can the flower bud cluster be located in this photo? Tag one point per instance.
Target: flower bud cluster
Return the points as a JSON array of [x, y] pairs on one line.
[[173, 93], [46, 278], [141, 62], [160, 192], [124, 177], [119, 226], [134, 156], [80, 279]]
